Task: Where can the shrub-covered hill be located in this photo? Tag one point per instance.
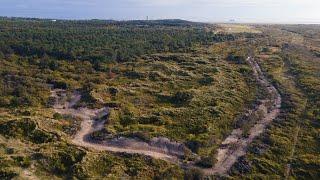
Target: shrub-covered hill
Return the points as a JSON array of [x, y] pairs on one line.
[[166, 78], [290, 147]]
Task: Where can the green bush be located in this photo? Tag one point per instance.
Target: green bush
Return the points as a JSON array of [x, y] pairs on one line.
[[144, 136], [194, 145], [236, 59], [7, 175], [25, 129], [127, 118], [113, 91], [206, 80], [134, 75], [61, 163], [193, 174], [206, 162], [23, 161], [154, 120], [59, 84], [57, 116], [181, 98]]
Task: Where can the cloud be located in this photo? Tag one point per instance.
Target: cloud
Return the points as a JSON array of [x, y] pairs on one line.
[[223, 3], [203, 2]]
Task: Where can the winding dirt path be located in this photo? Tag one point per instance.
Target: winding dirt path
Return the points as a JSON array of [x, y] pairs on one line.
[[93, 121], [233, 147]]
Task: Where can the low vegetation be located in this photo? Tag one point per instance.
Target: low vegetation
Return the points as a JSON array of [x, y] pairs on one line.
[[170, 78]]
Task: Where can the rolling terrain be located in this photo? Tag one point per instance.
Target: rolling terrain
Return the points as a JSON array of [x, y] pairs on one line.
[[167, 99]]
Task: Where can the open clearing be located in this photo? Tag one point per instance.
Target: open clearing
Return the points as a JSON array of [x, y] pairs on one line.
[[236, 28]]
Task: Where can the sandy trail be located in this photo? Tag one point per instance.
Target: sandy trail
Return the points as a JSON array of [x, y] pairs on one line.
[[233, 147], [93, 121]]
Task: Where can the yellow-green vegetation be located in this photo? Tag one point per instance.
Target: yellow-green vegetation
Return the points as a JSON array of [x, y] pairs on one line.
[[172, 79], [191, 98], [188, 89], [27, 150], [290, 148]]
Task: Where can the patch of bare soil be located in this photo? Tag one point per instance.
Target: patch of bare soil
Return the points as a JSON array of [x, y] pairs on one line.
[[94, 120]]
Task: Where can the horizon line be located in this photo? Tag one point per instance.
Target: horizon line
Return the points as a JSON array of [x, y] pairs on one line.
[[231, 21]]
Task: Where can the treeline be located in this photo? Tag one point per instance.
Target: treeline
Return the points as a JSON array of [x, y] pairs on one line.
[[98, 40], [30, 48]]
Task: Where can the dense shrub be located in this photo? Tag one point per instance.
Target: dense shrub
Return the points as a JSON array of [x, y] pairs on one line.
[[193, 145], [25, 129], [236, 59], [127, 118], [181, 98], [206, 80], [134, 75], [7, 175], [57, 116], [144, 136], [23, 161], [206, 162], [59, 84], [61, 163], [154, 120], [113, 91], [193, 174]]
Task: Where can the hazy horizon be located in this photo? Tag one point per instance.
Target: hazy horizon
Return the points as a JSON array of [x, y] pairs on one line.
[[242, 11]]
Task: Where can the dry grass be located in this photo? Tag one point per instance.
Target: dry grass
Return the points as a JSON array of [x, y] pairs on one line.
[[236, 28]]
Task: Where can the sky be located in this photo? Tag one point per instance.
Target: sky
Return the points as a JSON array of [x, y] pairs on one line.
[[255, 11]]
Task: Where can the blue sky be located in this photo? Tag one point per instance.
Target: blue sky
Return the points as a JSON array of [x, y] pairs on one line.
[[286, 11]]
